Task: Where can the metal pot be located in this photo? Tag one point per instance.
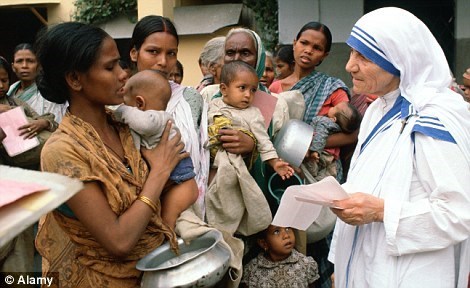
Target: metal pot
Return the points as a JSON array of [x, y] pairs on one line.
[[202, 263], [293, 140]]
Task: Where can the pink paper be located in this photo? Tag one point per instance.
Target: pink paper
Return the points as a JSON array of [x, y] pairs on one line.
[[266, 104], [10, 190], [10, 121]]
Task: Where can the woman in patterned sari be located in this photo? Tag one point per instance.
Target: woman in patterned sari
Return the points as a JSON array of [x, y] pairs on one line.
[[96, 238]]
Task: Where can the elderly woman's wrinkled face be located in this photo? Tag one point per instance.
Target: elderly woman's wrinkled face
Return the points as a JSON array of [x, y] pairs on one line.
[[240, 46], [368, 77], [268, 75], [466, 84]]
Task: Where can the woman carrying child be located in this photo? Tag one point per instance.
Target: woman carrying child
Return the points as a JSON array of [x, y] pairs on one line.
[[97, 237]]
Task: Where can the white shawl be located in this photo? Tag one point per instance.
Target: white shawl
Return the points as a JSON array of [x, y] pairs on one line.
[[181, 112]]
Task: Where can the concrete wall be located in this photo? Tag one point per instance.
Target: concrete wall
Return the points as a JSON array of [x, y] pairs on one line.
[[188, 54], [462, 35], [60, 13], [338, 15]]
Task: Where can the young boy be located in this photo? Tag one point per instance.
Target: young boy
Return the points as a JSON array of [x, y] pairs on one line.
[[146, 96], [279, 265], [343, 117], [239, 83]]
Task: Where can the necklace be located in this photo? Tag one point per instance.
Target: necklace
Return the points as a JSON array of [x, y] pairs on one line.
[[123, 160]]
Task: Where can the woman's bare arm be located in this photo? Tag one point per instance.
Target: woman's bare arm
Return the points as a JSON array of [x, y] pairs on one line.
[[119, 234], [341, 139]]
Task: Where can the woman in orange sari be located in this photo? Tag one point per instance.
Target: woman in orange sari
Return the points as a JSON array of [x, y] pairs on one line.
[[98, 235]]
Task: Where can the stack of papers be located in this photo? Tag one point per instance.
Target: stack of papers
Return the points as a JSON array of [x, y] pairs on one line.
[[26, 195], [11, 190], [301, 204]]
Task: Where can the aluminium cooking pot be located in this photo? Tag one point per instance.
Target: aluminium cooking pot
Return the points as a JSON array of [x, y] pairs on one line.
[[293, 141], [201, 263]]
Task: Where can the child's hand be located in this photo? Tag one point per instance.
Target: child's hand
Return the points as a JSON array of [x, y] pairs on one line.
[[315, 156], [282, 168]]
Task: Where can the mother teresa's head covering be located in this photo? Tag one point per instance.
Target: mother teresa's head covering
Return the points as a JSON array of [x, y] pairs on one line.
[[261, 54], [401, 44]]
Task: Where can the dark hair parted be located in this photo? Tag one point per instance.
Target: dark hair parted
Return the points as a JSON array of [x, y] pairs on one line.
[[24, 46], [231, 69], [285, 53], [151, 24], [65, 48], [349, 122], [6, 65], [317, 26]]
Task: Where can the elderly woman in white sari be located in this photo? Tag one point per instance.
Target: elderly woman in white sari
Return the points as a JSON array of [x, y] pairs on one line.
[[409, 223]]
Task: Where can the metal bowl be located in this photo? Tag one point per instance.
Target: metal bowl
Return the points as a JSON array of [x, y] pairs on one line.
[[293, 140], [201, 263]]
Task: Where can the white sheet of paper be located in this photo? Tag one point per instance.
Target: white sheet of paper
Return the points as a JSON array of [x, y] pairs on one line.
[[301, 204]]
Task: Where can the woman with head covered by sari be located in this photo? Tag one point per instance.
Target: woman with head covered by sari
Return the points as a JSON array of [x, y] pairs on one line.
[[245, 45], [408, 225]]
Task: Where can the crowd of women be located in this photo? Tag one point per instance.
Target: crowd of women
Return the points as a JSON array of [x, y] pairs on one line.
[[406, 223]]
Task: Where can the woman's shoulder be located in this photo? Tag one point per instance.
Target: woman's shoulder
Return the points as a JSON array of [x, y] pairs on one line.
[[59, 148], [13, 88], [58, 142], [333, 79], [209, 91], [195, 101], [190, 92], [276, 87]]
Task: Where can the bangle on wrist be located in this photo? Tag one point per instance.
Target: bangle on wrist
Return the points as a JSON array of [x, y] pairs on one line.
[[149, 203]]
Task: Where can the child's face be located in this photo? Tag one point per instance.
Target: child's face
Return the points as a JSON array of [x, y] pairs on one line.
[[466, 84], [282, 69], [280, 242], [341, 107], [241, 91], [4, 82], [175, 75]]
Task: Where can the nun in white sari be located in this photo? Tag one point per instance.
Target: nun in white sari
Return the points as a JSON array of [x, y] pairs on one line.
[[409, 223]]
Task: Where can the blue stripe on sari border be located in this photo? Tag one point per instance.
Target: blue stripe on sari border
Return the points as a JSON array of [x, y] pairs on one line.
[[406, 108], [385, 122], [382, 129], [434, 132], [372, 55], [429, 117], [368, 38], [437, 123]]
